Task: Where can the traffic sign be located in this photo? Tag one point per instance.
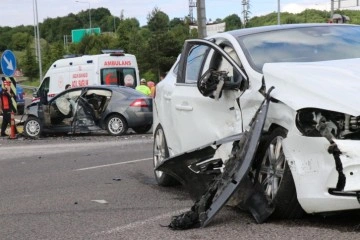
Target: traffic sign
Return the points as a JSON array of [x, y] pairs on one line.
[[8, 63]]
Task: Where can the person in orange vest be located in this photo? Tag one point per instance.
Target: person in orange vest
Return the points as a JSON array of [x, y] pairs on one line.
[[5, 102]]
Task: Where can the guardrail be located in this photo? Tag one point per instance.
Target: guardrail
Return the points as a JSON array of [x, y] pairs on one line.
[[28, 87]]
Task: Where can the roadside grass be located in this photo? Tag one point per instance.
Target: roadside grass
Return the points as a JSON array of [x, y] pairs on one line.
[[28, 85]]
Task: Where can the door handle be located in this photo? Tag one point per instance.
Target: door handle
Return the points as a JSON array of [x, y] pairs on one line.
[[184, 107]]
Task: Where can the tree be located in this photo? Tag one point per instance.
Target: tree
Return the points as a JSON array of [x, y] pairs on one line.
[[125, 30], [232, 22], [29, 65], [158, 21], [19, 41]]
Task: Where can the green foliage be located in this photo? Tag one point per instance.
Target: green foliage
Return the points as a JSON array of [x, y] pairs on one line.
[[232, 22], [155, 45], [20, 40], [149, 76], [29, 64], [158, 21]]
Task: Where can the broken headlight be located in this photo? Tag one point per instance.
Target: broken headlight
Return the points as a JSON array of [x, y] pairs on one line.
[[314, 122]]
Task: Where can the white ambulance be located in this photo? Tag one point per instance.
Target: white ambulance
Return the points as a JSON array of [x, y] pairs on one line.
[[109, 68]]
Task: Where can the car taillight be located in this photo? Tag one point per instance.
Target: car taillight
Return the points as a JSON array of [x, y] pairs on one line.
[[139, 103]]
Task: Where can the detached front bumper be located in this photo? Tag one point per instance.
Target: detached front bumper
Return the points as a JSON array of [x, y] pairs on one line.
[[317, 176]]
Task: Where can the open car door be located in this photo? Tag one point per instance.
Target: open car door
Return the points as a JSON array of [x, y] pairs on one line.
[[205, 69], [89, 107]]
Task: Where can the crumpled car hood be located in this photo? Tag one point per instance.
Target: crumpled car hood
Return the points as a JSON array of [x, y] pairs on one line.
[[330, 85]]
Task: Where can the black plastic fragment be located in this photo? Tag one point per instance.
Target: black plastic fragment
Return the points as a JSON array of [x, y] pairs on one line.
[[234, 177]]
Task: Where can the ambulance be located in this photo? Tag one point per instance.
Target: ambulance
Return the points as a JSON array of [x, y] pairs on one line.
[[112, 67]]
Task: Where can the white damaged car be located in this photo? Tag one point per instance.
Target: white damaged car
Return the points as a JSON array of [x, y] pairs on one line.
[[266, 119]]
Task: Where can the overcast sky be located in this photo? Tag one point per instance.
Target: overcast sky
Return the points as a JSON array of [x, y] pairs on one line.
[[20, 12]]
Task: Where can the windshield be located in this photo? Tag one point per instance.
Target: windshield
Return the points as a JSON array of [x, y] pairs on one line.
[[303, 44]]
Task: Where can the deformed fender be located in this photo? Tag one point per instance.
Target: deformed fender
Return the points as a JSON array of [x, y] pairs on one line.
[[196, 168], [224, 185]]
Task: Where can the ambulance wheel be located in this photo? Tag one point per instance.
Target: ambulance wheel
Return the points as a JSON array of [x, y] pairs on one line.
[[116, 125], [32, 127], [160, 153]]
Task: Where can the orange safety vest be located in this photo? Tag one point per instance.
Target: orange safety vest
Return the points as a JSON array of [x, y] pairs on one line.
[[5, 102]]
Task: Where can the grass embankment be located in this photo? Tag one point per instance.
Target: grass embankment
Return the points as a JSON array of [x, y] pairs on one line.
[[28, 83]]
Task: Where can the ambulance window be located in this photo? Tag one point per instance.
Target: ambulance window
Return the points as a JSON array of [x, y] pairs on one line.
[[109, 77], [118, 76], [129, 77], [44, 87]]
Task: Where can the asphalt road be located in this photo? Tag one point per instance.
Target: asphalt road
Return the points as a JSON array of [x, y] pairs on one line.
[[102, 187]]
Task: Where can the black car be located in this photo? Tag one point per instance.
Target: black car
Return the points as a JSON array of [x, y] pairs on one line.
[[91, 108]]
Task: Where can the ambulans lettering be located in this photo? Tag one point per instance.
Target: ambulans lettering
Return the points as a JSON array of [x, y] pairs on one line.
[[117, 63]]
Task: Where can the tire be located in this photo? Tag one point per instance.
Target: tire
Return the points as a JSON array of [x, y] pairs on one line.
[[160, 153], [116, 125], [32, 127], [276, 178], [142, 129]]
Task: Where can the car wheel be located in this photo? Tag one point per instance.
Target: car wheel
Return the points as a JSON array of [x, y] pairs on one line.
[[32, 127], [274, 174], [142, 129], [116, 125], [160, 153]]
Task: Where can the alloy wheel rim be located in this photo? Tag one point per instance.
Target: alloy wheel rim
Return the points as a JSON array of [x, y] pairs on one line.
[[159, 151], [33, 128], [272, 168], [115, 125]]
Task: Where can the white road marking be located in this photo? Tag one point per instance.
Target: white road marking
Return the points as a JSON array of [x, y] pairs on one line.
[[136, 225], [100, 201], [114, 164]]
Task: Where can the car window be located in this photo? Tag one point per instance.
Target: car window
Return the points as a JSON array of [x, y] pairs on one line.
[[307, 44], [195, 62], [73, 94]]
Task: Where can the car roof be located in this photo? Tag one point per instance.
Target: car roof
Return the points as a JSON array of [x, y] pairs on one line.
[[254, 30], [116, 88]]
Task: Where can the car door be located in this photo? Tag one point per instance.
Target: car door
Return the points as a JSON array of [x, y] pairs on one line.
[[198, 119], [61, 109]]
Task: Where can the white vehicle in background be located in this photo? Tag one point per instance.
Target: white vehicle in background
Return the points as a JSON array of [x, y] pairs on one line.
[[113, 67], [296, 151]]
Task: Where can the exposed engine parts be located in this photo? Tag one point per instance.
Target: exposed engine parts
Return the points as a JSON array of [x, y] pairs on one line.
[[332, 125]]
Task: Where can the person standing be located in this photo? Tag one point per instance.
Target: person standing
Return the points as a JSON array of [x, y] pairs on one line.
[[5, 102], [143, 88], [151, 85]]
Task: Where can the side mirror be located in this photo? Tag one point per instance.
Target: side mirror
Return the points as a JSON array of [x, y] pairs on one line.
[[212, 82]]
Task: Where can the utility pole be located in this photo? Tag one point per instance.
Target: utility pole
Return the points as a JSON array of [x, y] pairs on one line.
[[245, 12], [38, 38], [192, 4], [201, 18], [278, 15], [332, 9]]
